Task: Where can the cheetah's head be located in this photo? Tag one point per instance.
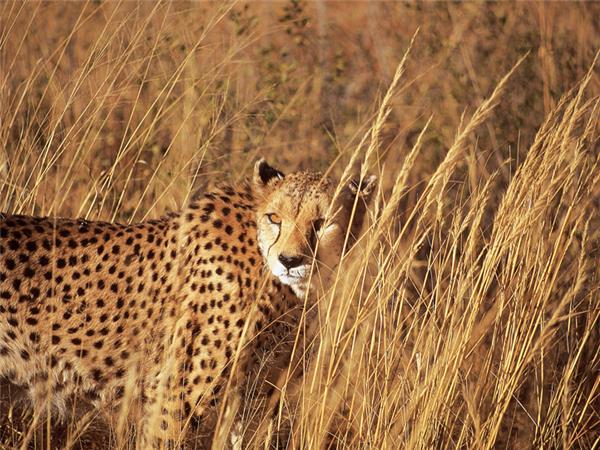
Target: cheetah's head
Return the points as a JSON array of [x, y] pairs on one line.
[[297, 221]]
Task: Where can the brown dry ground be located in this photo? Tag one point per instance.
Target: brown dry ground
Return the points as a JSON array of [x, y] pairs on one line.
[[477, 324]]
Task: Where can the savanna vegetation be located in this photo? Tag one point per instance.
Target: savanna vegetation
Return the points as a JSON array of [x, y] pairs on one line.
[[468, 314]]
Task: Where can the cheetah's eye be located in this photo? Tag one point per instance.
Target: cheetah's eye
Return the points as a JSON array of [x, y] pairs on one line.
[[274, 219], [318, 224], [314, 233]]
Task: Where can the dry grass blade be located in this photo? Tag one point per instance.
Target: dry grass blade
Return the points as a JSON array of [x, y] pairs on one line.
[[465, 316]]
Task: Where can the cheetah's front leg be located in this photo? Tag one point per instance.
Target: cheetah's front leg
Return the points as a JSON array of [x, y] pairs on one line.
[[165, 415]]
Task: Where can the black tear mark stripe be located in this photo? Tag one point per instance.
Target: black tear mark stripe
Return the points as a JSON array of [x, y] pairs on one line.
[[275, 241]]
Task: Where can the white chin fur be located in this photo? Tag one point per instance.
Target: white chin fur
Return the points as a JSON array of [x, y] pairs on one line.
[[299, 291], [296, 278], [297, 285]]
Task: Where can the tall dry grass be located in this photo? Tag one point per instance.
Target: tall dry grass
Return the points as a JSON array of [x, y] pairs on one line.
[[468, 313]]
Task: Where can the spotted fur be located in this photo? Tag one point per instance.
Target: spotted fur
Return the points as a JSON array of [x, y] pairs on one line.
[[87, 306]]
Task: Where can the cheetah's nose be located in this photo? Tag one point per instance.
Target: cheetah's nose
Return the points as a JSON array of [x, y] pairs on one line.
[[289, 262]]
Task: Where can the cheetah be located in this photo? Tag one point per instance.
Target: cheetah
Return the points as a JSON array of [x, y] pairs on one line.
[[88, 306]]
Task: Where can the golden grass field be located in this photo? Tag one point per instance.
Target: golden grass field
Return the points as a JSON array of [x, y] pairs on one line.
[[468, 315]]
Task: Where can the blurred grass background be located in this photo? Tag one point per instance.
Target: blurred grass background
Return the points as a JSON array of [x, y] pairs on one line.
[[118, 106], [118, 110]]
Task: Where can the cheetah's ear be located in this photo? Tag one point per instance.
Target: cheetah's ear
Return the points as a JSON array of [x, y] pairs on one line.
[[264, 173], [364, 187]]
